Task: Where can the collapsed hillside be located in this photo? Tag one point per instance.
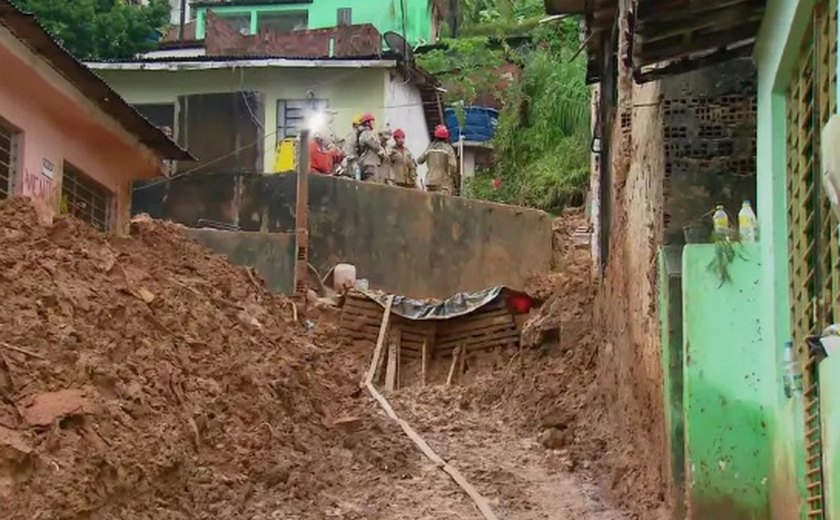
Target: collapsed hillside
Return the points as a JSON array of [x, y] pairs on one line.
[[145, 377]]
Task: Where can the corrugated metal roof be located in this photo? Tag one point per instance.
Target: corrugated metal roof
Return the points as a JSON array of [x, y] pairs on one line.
[[27, 29]]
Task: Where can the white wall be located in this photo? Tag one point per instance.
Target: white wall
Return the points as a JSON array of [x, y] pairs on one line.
[[348, 91], [175, 11], [404, 109]]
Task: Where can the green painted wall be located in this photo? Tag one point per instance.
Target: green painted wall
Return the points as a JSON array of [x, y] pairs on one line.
[[830, 414], [729, 388], [777, 50], [384, 15], [671, 330]]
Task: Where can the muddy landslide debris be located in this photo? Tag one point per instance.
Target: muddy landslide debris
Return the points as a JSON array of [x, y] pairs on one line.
[[146, 378]]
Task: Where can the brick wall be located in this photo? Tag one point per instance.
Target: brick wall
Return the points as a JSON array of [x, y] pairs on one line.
[[221, 39]]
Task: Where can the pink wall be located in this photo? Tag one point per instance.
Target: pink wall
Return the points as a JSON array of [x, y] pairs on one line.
[[57, 127]]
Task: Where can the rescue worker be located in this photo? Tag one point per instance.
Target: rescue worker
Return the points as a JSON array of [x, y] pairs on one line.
[[383, 173], [403, 166], [370, 148], [442, 175], [322, 155], [351, 149]]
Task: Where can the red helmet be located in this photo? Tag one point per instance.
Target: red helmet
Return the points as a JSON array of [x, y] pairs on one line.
[[366, 118], [399, 134], [441, 132]]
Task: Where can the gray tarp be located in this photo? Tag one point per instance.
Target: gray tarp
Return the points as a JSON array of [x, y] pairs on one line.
[[454, 306]]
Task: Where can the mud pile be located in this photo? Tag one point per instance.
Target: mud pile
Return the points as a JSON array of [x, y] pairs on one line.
[[145, 377], [552, 389]]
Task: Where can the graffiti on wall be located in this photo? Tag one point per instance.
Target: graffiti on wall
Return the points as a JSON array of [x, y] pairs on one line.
[[38, 185]]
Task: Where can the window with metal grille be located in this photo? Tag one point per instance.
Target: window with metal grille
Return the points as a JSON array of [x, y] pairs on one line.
[[8, 159], [344, 16], [85, 199], [283, 22], [293, 114], [814, 256]]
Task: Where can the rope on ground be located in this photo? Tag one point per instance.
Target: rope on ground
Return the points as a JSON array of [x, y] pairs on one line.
[[479, 501]]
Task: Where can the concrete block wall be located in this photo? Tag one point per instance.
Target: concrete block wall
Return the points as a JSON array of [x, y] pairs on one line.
[[347, 41]]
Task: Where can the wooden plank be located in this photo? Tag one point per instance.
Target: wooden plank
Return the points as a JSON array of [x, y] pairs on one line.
[[495, 334], [424, 369], [478, 346], [498, 321], [487, 329], [453, 365], [391, 370], [458, 323], [383, 333]]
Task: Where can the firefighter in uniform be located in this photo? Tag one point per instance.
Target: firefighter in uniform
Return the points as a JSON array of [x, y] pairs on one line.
[[350, 149], [371, 153], [403, 166], [442, 175]]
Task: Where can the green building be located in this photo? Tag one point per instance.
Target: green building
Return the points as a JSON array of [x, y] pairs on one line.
[[414, 19], [740, 443]]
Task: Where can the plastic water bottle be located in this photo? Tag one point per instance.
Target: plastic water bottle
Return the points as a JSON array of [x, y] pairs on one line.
[[792, 375], [721, 222], [747, 223]]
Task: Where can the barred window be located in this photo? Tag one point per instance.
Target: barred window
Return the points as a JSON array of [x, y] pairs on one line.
[[85, 199]]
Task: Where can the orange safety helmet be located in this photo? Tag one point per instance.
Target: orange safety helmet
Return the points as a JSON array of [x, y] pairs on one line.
[[366, 118], [399, 134], [441, 132]]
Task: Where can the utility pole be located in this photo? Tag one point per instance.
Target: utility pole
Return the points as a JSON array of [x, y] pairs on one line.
[[302, 216], [183, 20]]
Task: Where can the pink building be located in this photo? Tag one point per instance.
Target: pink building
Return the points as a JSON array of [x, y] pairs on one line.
[[65, 136]]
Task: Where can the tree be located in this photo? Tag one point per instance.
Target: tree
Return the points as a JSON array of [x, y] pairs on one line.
[[101, 29]]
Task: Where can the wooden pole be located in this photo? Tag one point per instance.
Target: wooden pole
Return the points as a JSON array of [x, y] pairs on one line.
[[302, 215], [425, 362], [380, 341], [391, 370], [456, 355]]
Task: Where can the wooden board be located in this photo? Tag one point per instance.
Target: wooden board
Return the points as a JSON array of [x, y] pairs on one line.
[[383, 333]]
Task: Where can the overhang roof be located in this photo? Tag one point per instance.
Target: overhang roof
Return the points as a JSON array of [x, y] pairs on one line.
[[674, 36], [669, 36], [26, 28]]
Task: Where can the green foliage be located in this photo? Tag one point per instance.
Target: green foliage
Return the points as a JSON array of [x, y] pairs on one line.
[[100, 29], [467, 65], [542, 143]]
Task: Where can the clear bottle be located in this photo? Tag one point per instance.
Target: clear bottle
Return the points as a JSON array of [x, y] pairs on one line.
[[721, 222], [792, 374], [747, 223], [788, 369]]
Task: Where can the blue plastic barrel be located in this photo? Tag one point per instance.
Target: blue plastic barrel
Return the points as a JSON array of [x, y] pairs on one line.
[[479, 124]]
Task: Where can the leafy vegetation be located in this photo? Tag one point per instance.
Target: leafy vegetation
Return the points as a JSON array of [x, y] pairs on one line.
[[542, 142], [101, 29]]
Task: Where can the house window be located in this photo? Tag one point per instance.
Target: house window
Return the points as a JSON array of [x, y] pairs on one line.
[[240, 22], [8, 159], [283, 22], [345, 16], [293, 114], [85, 199]]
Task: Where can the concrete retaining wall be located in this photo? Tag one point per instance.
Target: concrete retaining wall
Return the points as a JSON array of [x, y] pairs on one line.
[[404, 241]]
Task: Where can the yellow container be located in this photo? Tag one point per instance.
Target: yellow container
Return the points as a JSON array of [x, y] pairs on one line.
[[284, 156]]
